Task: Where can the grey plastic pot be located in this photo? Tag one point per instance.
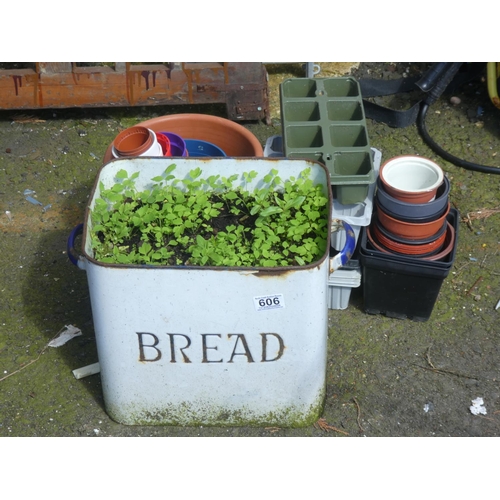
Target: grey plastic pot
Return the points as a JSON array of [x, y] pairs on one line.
[[412, 211]]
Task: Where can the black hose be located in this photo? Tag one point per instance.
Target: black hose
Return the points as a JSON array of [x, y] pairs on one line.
[[444, 154], [434, 73], [437, 80], [445, 77]]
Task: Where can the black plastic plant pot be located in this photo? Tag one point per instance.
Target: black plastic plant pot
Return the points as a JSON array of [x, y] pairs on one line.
[[403, 287], [446, 262]]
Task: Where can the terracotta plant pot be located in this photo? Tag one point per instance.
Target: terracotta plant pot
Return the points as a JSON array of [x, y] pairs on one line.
[[373, 241], [407, 241], [429, 248], [447, 246], [413, 219], [135, 141], [412, 179], [234, 139], [410, 230]]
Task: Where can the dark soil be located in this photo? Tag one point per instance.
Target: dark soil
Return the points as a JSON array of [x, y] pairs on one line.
[[230, 214]]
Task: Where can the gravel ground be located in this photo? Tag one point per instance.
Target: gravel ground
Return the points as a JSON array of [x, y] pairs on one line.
[[386, 377]]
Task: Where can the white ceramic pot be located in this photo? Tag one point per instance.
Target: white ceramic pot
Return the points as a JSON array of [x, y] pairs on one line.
[[412, 179]]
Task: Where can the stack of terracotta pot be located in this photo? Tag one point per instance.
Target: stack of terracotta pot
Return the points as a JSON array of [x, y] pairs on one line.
[[411, 209], [142, 141]]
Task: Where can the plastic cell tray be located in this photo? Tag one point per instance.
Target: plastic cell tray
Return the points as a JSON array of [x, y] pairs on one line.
[[355, 214], [359, 214], [323, 119]]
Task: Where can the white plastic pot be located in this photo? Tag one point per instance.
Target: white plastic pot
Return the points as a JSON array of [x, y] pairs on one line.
[[412, 179], [154, 148]]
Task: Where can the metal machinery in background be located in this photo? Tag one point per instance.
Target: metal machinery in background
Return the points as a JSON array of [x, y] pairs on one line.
[[242, 87]]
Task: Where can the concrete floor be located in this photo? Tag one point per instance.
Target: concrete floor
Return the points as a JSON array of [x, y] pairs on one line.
[[385, 377]]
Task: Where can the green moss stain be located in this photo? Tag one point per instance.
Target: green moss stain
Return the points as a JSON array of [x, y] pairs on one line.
[[188, 414]]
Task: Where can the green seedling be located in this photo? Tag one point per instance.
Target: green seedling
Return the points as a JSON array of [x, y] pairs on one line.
[[210, 221]]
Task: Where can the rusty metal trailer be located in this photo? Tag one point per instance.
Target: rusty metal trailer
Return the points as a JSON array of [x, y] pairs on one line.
[[242, 87]]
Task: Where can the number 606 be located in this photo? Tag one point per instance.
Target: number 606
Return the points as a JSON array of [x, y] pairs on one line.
[[269, 302]]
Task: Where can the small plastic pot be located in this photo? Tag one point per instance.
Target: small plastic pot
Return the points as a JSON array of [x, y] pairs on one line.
[[377, 245], [407, 241], [177, 144], [448, 245], [164, 142], [410, 230], [373, 241], [409, 211], [428, 248], [414, 220], [203, 148], [411, 179], [136, 141]]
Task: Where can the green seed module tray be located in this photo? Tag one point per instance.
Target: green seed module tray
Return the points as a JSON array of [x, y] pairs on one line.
[[323, 119]]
